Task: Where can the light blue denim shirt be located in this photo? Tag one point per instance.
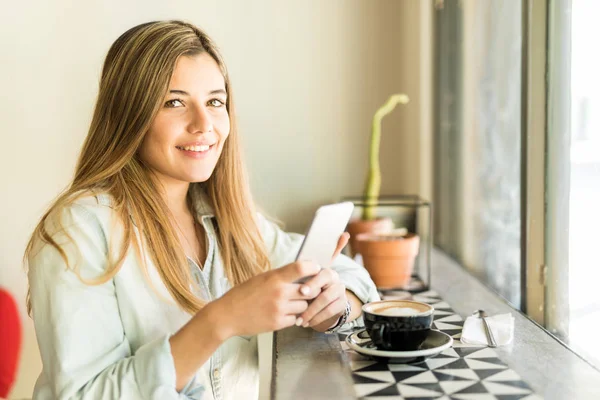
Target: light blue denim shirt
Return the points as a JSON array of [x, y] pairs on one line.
[[111, 340]]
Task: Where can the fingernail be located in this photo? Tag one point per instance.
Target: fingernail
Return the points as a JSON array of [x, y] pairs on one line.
[[299, 321], [305, 325], [305, 290]]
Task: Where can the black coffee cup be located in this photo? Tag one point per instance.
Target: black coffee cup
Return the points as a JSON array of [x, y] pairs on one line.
[[400, 325]]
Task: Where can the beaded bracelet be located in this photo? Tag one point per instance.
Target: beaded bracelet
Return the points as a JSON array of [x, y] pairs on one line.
[[343, 319]]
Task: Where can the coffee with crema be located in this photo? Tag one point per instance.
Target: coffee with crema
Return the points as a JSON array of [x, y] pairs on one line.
[[398, 324], [398, 311], [400, 308]]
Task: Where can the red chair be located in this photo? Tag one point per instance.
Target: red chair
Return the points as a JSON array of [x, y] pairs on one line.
[[10, 342]]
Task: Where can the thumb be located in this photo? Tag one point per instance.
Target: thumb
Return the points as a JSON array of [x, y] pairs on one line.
[[342, 241]]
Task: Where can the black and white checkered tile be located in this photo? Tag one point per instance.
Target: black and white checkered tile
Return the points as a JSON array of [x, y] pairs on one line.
[[466, 372]]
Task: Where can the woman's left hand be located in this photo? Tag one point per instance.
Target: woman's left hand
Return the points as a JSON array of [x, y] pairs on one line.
[[329, 294], [329, 303]]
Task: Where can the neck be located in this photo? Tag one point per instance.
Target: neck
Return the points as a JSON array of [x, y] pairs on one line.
[[175, 195], [177, 201]]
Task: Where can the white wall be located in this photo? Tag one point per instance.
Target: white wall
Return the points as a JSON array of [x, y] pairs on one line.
[[308, 75]]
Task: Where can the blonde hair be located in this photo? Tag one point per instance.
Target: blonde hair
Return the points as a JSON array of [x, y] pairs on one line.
[[135, 78]]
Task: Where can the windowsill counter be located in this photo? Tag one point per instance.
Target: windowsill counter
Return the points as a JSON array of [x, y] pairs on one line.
[[311, 365]]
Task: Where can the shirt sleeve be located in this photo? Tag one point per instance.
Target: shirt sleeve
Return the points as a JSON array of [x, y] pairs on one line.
[[283, 247], [85, 352]]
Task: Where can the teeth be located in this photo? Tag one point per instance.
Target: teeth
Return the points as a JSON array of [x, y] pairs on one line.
[[196, 148]]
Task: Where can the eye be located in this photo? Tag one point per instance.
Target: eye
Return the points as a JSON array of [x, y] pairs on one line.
[[174, 103], [216, 103]]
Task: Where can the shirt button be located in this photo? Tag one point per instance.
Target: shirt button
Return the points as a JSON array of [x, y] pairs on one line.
[[217, 373]]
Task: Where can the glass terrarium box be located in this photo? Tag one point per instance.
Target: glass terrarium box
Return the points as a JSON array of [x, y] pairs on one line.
[[415, 214]]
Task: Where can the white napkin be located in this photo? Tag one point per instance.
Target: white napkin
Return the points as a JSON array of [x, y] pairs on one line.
[[501, 325]]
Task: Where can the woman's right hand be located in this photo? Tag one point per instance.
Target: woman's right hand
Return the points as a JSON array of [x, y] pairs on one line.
[[267, 302]]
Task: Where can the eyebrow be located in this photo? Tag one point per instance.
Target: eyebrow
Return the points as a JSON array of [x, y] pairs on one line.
[[183, 92]]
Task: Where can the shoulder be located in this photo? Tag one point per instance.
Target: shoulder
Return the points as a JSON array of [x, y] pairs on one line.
[[74, 234], [281, 245], [94, 204], [88, 217], [268, 227], [87, 207], [262, 221]]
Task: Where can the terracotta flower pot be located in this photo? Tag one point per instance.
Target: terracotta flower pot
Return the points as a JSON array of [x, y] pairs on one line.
[[389, 258], [358, 226]]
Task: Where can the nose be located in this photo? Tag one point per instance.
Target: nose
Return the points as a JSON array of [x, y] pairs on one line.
[[200, 121]]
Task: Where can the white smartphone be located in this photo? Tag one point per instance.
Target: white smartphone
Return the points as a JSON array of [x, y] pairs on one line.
[[323, 234]]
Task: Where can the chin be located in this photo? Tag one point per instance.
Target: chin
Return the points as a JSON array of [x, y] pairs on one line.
[[198, 178]]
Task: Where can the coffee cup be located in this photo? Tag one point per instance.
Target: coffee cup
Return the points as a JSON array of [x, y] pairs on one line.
[[399, 325]]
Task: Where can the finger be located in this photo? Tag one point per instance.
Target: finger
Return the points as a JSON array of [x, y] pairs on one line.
[[297, 291], [298, 270], [315, 285], [326, 297], [285, 321], [292, 292], [332, 309], [342, 242], [296, 307]]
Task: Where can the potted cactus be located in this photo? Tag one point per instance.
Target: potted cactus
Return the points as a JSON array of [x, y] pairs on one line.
[[369, 222], [387, 254]]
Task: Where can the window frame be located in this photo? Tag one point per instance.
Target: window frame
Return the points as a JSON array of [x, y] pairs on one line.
[[534, 88]]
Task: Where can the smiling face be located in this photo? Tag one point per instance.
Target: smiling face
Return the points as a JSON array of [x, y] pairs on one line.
[[187, 136]]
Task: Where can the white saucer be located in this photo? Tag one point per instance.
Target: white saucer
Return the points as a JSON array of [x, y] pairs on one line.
[[434, 344]]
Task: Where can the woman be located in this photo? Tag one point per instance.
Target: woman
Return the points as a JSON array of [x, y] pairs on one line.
[[151, 275]]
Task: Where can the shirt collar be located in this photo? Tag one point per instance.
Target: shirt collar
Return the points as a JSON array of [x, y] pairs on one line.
[[200, 201]]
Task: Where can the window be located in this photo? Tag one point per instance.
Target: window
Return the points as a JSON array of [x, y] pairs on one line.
[[478, 140], [517, 155], [573, 176]]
